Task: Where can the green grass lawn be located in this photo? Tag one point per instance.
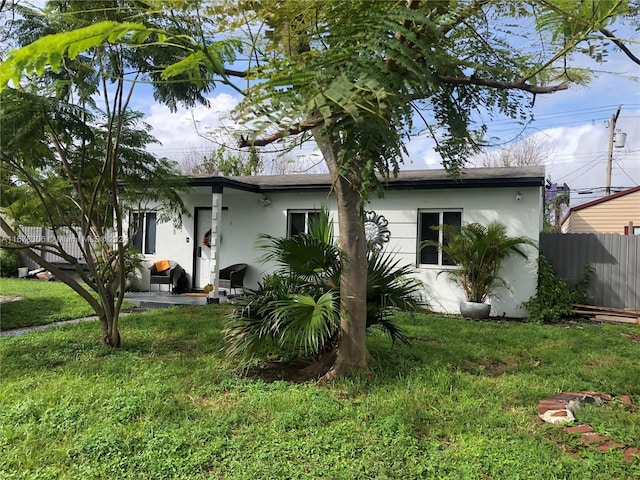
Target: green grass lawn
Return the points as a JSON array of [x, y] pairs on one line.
[[42, 303], [460, 403]]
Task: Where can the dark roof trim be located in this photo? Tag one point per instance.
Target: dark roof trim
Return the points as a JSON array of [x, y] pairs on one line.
[[406, 180], [221, 182], [467, 183]]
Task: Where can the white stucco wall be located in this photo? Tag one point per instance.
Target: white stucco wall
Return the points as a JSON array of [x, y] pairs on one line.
[[522, 218], [244, 218]]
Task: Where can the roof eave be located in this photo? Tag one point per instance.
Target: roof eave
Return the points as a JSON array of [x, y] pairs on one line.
[[393, 184]]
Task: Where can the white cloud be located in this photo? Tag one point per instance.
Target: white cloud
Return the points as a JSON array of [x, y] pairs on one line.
[[580, 157], [421, 154], [181, 132]]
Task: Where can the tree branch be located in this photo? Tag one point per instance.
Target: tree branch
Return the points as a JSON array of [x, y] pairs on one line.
[[234, 73], [485, 82], [620, 45], [411, 5], [295, 130], [316, 122]]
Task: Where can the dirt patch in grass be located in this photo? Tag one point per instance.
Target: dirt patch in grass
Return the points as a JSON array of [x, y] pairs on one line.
[[634, 337], [289, 371]]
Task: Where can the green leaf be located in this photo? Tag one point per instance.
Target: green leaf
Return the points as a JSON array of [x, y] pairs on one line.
[[188, 65], [48, 51]]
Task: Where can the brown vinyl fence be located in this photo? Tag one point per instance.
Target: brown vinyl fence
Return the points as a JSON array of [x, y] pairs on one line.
[[615, 259]]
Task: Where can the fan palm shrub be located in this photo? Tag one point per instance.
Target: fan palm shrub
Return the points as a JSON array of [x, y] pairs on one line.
[[390, 288], [298, 306], [478, 252]]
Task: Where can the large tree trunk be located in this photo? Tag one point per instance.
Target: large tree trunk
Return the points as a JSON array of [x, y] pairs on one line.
[[352, 349]]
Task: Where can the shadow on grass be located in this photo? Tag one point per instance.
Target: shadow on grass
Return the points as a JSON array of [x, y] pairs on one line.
[[31, 311], [153, 336]]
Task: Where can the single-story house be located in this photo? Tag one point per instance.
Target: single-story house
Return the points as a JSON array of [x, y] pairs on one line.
[[617, 213], [231, 211]]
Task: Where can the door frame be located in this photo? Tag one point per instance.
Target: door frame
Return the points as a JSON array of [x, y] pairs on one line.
[[197, 243]]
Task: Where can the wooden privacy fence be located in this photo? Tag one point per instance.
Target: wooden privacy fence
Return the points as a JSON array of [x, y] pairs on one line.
[[615, 259]]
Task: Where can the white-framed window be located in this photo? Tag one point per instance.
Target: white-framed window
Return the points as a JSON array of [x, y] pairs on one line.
[[427, 220], [298, 221], [143, 229]]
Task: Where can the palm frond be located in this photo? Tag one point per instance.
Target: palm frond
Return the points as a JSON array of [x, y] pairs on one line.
[[298, 306], [309, 324]]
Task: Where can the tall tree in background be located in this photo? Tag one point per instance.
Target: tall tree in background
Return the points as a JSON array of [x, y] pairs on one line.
[[354, 76], [556, 206], [223, 161], [532, 150], [74, 155]]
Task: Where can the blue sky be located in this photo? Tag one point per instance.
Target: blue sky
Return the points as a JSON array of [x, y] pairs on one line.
[[573, 123]]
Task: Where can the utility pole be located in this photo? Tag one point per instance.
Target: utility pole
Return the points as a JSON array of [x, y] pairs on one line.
[[612, 130]]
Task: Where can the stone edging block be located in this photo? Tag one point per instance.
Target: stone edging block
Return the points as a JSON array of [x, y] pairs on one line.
[[560, 410]]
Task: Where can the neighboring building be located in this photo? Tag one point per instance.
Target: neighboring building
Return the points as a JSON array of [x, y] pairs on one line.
[[611, 214], [236, 209]]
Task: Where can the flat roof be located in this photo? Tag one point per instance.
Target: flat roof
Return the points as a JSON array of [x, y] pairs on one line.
[[528, 176]]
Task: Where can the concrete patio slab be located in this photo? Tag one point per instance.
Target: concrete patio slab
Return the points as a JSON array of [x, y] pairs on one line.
[[164, 299]]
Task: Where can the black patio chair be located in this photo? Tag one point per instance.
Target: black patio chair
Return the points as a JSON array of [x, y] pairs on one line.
[[168, 277], [232, 277]]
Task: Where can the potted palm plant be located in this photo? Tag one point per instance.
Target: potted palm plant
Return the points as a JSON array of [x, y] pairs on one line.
[[477, 251]]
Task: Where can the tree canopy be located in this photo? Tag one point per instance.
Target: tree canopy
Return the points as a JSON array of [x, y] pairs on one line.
[[74, 155]]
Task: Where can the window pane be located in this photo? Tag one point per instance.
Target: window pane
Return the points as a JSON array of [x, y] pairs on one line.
[[429, 255], [150, 234], [452, 218], [135, 229], [296, 223], [455, 220]]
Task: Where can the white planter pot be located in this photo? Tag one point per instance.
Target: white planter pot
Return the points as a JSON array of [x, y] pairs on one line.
[[474, 310]]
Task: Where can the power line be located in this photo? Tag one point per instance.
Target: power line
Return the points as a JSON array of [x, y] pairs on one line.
[[624, 171], [583, 167]]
